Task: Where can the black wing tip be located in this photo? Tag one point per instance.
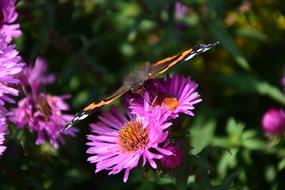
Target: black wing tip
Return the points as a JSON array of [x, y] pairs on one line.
[[215, 43], [208, 45], [77, 118]]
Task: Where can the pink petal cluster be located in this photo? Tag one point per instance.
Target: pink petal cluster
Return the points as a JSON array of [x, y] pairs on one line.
[[33, 78], [177, 93], [44, 114], [8, 16], [118, 142], [273, 121], [10, 65]]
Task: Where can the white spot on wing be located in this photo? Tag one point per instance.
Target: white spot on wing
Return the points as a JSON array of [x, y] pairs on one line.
[[200, 49], [83, 116], [190, 56], [206, 49]]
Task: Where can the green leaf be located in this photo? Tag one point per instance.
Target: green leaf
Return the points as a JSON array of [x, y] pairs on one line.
[[281, 164], [228, 182], [254, 144], [235, 130], [202, 134], [248, 83], [265, 88], [227, 161], [252, 33]]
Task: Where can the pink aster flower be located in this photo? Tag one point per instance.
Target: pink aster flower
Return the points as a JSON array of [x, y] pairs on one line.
[[273, 121], [10, 65], [43, 114], [177, 93], [3, 131], [119, 142], [8, 16], [33, 78], [171, 162]]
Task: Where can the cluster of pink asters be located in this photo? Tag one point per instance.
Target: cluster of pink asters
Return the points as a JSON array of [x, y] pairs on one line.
[[120, 141], [41, 112], [10, 62]]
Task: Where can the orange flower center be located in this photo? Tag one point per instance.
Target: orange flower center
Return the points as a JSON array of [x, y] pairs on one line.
[[171, 102], [133, 137]]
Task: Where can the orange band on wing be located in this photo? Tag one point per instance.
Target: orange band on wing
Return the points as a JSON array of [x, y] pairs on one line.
[[164, 60], [106, 101], [180, 58]]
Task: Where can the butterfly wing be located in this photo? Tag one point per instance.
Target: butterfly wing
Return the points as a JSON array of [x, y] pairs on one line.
[[140, 75], [165, 64], [90, 109]]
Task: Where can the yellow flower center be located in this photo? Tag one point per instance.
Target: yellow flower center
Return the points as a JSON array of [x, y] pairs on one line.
[[171, 102], [133, 137]]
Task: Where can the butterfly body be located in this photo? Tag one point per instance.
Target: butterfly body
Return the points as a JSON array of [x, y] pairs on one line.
[[135, 80]]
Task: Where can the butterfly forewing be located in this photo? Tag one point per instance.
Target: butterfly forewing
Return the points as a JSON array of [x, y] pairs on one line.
[[165, 64], [90, 109]]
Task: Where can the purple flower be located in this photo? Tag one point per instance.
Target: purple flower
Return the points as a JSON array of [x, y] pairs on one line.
[[43, 113], [10, 65], [119, 142], [180, 10], [171, 162], [33, 78], [178, 94], [273, 121], [8, 16], [43, 116], [3, 131]]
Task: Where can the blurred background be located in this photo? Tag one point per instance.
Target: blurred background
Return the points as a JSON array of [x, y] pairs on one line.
[[90, 45]]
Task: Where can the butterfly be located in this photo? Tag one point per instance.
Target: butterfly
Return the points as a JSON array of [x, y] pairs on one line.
[[135, 80]]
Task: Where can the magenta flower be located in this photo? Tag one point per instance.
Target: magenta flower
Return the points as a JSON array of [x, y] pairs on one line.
[[3, 131], [33, 78], [171, 162], [178, 94], [44, 114], [45, 117], [119, 142], [10, 65], [8, 16], [273, 121], [180, 10]]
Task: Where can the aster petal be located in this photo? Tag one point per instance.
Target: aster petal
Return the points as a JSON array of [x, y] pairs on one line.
[[126, 175]]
